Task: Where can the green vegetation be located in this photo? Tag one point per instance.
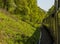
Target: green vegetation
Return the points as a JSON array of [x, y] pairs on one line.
[[20, 21], [11, 28]]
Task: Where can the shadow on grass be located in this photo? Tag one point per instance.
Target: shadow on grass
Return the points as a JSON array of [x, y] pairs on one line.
[[34, 38]]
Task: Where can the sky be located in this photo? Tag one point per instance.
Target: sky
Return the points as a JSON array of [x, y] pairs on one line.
[[45, 4]]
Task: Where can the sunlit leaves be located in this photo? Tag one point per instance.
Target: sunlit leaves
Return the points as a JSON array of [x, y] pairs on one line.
[[22, 20]]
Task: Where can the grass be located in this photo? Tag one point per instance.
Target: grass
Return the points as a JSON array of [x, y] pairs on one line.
[[14, 31]]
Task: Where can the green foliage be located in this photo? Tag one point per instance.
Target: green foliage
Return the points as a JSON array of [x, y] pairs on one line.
[[20, 22], [13, 29], [51, 11]]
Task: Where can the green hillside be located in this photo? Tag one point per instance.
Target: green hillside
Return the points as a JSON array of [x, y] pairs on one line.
[[20, 21], [14, 29], [11, 29]]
